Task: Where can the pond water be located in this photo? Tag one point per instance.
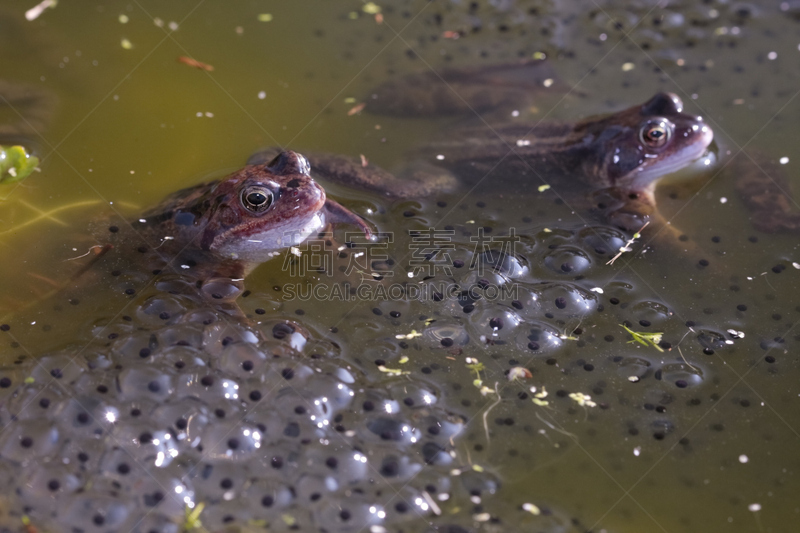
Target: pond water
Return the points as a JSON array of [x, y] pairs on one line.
[[129, 402]]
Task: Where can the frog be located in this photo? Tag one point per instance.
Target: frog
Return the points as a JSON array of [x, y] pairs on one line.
[[230, 226], [549, 151], [607, 164], [211, 235]]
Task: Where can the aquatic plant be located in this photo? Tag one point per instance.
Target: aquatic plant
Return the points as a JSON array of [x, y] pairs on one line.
[[16, 164]]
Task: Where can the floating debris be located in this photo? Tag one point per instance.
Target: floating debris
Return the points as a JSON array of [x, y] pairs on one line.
[[584, 400], [192, 517], [356, 109], [519, 373], [393, 371], [643, 338], [371, 8], [736, 334], [477, 367], [531, 508], [195, 63], [34, 12], [538, 397]]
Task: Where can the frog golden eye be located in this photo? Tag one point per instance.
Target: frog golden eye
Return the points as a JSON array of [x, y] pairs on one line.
[[256, 199], [656, 133]]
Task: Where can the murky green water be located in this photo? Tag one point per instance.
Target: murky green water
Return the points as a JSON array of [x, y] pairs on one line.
[[131, 125]]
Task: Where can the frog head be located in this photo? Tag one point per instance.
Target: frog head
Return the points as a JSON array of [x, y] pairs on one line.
[[635, 147], [261, 209]]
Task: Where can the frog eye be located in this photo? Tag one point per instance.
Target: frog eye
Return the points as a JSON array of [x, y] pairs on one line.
[[656, 133], [256, 199]]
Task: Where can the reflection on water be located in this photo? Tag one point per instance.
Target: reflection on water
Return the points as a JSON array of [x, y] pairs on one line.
[[135, 402]]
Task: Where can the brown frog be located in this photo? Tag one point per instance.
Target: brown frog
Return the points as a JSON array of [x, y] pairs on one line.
[[184, 260], [211, 235], [609, 164], [618, 158], [228, 227]]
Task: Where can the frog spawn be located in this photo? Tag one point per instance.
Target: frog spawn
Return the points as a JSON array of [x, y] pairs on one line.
[[550, 279], [137, 428], [549, 327], [202, 383]]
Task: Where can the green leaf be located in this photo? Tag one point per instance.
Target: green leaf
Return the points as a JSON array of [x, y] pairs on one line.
[[16, 164]]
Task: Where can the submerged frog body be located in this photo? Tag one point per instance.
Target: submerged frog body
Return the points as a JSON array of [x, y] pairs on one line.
[[766, 191], [454, 91], [610, 162]]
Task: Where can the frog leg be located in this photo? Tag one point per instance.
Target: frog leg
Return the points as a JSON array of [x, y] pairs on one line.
[[626, 210], [637, 212], [766, 191], [336, 213], [416, 181], [465, 90]]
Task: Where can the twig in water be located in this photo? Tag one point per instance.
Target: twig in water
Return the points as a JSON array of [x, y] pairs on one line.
[[627, 247], [684, 359], [486, 413], [554, 428]]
